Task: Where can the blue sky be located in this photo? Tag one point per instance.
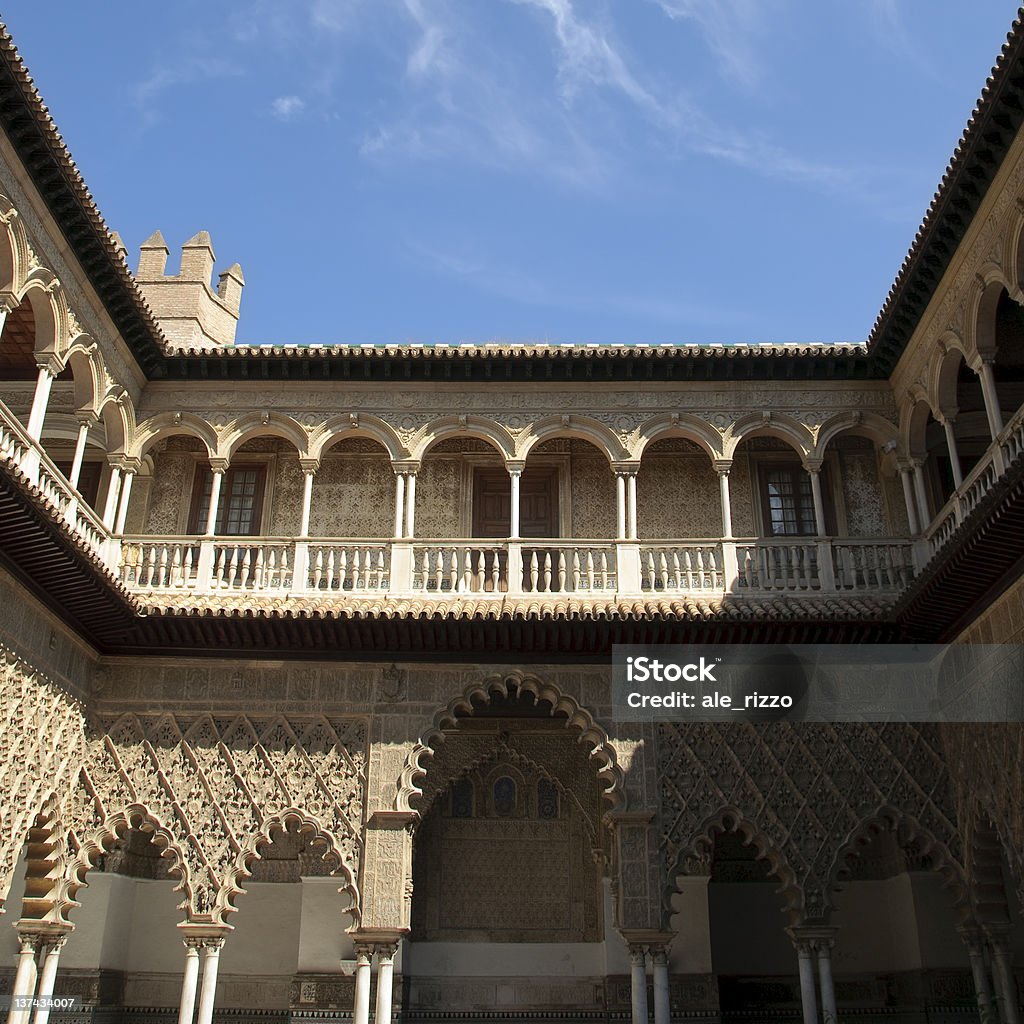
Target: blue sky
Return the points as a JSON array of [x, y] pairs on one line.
[[523, 170]]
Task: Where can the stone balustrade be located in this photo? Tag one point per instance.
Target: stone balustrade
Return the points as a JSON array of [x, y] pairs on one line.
[[500, 567]]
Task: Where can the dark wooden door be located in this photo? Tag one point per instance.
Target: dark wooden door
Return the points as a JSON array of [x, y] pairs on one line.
[[538, 502]]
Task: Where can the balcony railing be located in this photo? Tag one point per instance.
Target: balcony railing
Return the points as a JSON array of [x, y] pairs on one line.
[[982, 477], [498, 568]]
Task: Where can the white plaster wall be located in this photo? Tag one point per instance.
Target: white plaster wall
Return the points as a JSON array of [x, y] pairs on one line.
[[690, 952], [939, 943], [265, 939], [323, 940], [877, 927], [505, 959]]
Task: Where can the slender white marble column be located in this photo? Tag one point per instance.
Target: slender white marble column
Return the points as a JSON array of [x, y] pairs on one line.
[[829, 1013], [922, 494], [1006, 986], [808, 997], [189, 981], [399, 505], [991, 397], [307, 500], [631, 505], [906, 478], [819, 503], [638, 978], [514, 477], [361, 1007], [979, 972], [410, 505], [25, 976], [211, 517], [209, 990], [76, 462], [954, 455], [125, 497], [39, 402], [48, 976], [620, 505], [113, 491], [723, 487], [662, 1002], [385, 982]]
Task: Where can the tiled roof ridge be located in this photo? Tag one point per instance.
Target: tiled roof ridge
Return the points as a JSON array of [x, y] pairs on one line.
[[972, 139], [544, 349]]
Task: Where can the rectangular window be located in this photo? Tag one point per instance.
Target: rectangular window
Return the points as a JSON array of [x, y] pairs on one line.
[[787, 501], [240, 509]]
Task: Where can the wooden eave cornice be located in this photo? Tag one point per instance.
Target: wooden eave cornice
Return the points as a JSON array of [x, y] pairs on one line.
[[982, 558], [57, 567]]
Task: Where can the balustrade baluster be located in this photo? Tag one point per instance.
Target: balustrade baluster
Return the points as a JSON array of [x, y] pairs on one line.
[[337, 571], [534, 571], [561, 565]]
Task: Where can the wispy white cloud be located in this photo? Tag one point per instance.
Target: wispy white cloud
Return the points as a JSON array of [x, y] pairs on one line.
[[185, 71], [514, 284], [730, 29], [286, 108]]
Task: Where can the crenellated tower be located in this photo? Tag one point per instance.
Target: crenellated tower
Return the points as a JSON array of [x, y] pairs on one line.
[[190, 312]]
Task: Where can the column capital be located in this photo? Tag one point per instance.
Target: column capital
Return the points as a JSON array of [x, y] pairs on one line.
[[219, 464], [125, 463], [515, 467], [386, 951], [309, 465], [637, 953], [364, 952], [813, 466], [200, 933], [38, 932], [972, 936], [722, 466], [812, 937], [51, 364], [625, 468], [86, 417], [407, 466]]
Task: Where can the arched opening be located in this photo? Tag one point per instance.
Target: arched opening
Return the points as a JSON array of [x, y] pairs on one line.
[[677, 492], [773, 511], [897, 942], [290, 931], [462, 503], [928, 444], [1001, 335], [509, 894], [961, 397], [353, 491], [125, 948], [751, 956], [868, 495]]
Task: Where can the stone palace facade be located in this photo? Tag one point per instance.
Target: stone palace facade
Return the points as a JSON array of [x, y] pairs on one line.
[[305, 680]]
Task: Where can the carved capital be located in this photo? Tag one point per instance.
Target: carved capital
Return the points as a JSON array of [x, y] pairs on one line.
[[309, 465]]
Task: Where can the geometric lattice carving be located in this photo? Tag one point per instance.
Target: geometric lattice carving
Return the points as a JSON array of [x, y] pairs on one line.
[[42, 745], [805, 796], [212, 792], [984, 762]]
